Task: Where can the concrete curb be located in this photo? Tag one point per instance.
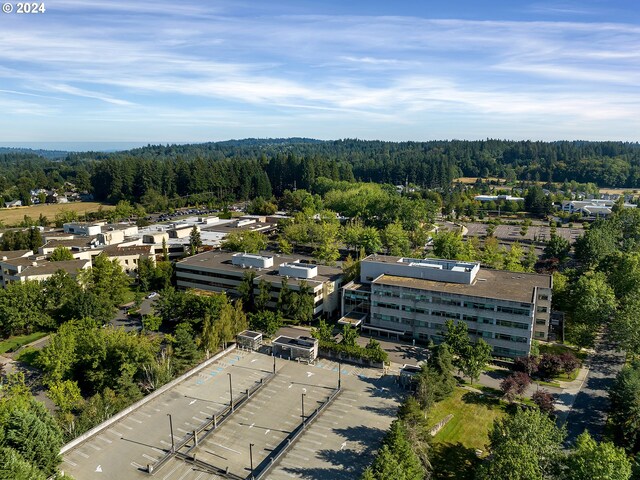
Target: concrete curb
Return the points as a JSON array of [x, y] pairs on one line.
[[156, 393]]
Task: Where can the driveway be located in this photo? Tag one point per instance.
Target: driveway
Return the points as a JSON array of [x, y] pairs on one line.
[[589, 410], [121, 318]]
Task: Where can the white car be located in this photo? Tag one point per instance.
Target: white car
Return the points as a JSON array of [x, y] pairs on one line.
[[152, 295]]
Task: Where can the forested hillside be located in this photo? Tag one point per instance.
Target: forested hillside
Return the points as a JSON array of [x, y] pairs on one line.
[[244, 169]]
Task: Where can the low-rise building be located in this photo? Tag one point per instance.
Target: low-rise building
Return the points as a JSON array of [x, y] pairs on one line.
[[25, 268], [225, 271], [413, 298], [82, 228], [592, 209]]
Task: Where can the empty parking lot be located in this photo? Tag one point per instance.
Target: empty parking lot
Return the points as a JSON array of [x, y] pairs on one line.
[[337, 445]]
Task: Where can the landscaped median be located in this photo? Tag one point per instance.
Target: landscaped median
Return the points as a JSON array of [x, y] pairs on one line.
[[373, 356]]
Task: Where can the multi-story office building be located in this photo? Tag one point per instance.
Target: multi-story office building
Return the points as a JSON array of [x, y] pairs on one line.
[[225, 271], [413, 298]]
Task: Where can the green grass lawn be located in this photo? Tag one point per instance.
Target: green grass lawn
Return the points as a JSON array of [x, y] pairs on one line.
[[560, 349], [13, 343], [454, 447]]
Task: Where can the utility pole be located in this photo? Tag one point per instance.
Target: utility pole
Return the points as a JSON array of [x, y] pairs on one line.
[[251, 445], [303, 417], [230, 392], [173, 447]]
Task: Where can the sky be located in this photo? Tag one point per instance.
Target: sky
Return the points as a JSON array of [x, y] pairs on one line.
[[139, 72]]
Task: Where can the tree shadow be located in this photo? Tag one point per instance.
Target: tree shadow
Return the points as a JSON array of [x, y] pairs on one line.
[[368, 437], [382, 411], [453, 461], [481, 399]]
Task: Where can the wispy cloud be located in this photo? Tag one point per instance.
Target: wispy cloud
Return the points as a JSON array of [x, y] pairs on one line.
[[146, 58]]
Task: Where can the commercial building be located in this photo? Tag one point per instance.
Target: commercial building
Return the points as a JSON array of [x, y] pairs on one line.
[[413, 298], [225, 271], [23, 267], [592, 209]]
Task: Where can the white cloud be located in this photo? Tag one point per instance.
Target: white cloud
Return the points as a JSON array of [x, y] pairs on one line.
[[320, 68]]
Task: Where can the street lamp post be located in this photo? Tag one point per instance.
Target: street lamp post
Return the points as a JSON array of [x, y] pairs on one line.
[[339, 375], [303, 417], [230, 392], [251, 445], [173, 447]]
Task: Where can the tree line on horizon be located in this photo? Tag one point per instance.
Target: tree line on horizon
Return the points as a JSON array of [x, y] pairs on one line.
[[244, 169]]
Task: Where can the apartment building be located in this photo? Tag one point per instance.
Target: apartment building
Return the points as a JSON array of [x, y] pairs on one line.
[[224, 271], [412, 298], [22, 267]]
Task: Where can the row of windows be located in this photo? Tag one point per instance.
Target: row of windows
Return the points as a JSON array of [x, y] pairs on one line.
[[514, 310], [455, 316], [509, 324], [508, 352], [423, 324], [466, 304]]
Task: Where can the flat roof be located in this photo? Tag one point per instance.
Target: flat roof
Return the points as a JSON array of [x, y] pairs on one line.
[[217, 260], [303, 343], [496, 284], [353, 318], [46, 268], [422, 262], [250, 334]]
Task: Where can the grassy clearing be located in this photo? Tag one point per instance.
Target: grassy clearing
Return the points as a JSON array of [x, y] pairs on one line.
[[454, 447], [558, 349], [473, 415], [13, 216], [13, 343]]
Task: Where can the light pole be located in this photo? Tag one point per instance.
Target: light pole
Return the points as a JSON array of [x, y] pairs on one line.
[[230, 392], [173, 447], [339, 375], [303, 418], [251, 458]]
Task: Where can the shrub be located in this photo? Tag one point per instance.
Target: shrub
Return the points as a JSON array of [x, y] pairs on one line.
[[544, 401], [376, 355]]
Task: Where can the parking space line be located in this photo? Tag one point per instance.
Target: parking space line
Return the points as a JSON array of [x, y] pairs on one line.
[[171, 472]]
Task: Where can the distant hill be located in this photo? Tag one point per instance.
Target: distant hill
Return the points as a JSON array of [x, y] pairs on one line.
[[48, 154]]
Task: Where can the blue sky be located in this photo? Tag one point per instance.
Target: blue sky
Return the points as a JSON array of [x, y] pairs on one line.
[[157, 71]]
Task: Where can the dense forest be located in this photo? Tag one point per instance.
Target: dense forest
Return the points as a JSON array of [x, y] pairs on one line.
[[245, 169]]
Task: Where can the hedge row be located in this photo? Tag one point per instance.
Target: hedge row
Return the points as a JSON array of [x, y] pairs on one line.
[[373, 354]]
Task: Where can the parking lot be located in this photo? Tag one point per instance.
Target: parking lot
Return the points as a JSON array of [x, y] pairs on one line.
[[511, 233], [337, 445]]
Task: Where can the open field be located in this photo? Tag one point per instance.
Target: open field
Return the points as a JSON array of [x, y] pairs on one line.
[[454, 447], [472, 180], [618, 191], [13, 216]]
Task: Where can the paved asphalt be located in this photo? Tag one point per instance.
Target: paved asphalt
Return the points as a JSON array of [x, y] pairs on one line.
[[121, 319], [589, 410], [337, 446]]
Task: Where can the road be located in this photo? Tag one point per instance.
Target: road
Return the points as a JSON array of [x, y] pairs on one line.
[[589, 410], [121, 319]]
